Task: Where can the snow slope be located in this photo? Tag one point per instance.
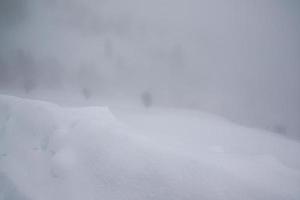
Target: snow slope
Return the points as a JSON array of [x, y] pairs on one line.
[[53, 152]]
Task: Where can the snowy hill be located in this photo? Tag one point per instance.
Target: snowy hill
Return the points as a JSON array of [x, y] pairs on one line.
[[53, 152]]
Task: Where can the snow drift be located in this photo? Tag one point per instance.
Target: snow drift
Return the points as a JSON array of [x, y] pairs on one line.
[[52, 152]]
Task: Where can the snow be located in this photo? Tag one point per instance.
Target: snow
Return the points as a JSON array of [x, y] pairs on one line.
[[49, 151]]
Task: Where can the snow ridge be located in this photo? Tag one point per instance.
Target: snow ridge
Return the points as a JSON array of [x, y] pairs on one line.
[[53, 152]]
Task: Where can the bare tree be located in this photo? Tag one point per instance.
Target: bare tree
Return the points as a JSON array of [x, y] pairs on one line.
[[28, 71]]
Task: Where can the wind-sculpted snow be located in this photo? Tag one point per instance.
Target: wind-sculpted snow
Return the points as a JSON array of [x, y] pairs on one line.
[[52, 152]]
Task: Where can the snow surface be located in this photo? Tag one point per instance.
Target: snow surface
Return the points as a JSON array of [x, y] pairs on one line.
[[53, 152]]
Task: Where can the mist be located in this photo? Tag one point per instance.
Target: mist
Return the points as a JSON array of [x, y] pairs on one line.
[[238, 59], [149, 99]]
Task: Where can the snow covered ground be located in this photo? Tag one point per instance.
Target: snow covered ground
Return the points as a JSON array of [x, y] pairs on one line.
[[52, 152]]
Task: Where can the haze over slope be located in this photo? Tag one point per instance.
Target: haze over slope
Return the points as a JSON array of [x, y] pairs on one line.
[[236, 58]]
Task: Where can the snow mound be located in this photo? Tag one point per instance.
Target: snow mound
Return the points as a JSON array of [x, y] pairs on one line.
[[52, 152]]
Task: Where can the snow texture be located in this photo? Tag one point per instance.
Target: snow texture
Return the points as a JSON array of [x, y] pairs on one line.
[[50, 152]]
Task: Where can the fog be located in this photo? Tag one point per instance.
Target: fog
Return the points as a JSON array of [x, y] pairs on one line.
[[236, 58]]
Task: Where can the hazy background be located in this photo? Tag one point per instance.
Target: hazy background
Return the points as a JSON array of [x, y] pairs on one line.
[[236, 58]]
